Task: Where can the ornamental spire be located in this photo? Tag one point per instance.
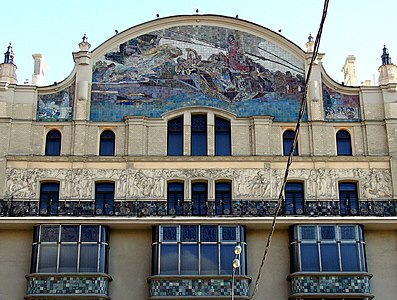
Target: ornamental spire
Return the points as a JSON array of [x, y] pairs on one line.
[[9, 55]]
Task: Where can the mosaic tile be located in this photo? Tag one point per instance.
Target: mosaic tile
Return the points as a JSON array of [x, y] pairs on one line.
[[187, 66], [56, 106], [340, 107]]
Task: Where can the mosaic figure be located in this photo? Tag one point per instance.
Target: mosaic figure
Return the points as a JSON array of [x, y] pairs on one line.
[[196, 65], [339, 106], [57, 106]]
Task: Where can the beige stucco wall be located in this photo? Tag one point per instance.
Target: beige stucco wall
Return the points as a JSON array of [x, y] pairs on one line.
[[130, 262], [15, 253]]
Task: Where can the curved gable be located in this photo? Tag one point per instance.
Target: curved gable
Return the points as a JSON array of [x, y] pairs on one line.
[[187, 61]]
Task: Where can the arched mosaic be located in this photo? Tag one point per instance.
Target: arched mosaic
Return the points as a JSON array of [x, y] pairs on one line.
[[340, 107], [200, 65], [56, 106]]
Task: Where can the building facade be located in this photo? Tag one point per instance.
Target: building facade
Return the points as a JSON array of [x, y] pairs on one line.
[[137, 175]]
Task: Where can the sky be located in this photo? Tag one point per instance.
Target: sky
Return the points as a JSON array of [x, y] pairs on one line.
[[54, 28]]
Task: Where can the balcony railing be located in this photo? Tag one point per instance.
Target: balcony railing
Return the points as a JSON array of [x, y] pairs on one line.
[[239, 208]]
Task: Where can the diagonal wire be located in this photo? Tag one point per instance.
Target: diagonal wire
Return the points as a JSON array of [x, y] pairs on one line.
[[290, 156]]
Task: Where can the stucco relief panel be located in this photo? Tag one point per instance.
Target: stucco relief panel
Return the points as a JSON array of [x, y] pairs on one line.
[[151, 184]]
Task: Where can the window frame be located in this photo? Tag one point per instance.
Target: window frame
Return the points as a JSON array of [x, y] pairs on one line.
[[175, 206], [223, 198], [199, 134], [294, 205], [343, 143], [348, 198], [199, 204], [223, 137], [107, 207], [288, 139], [175, 137], [49, 198], [53, 144], [107, 141], [58, 241]]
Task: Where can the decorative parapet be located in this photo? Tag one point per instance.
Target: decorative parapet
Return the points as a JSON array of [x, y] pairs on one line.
[[335, 284], [197, 286], [84, 285]]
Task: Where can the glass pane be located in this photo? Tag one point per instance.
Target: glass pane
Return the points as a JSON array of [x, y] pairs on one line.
[[68, 259], [175, 143], [309, 257], [36, 232], [169, 260], [229, 234], [49, 233], [48, 258], [89, 258], [33, 264], [189, 233], [209, 233], [69, 233], [103, 258], [155, 258], [227, 255], [308, 233], [347, 233], [327, 232], [295, 258], [89, 233], [169, 234], [189, 259], [329, 257], [107, 143], [104, 234], [350, 257], [209, 259]]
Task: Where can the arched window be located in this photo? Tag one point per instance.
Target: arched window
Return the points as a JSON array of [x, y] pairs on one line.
[[294, 198], [49, 198], [107, 143], [223, 198], [222, 137], [288, 139], [104, 198], [53, 143], [343, 143], [199, 199], [175, 136], [199, 135], [175, 198], [348, 198]]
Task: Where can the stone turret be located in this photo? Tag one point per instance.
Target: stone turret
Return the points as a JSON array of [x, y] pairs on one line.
[[387, 71], [310, 44], [349, 71], [8, 69]]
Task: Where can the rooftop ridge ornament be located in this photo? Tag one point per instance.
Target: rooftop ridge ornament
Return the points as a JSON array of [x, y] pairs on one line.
[[310, 43], [9, 55], [84, 45], [386, 59]]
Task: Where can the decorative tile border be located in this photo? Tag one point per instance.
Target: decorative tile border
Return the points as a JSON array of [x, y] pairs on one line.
[[203, 286], [330, 283], [62, 285]]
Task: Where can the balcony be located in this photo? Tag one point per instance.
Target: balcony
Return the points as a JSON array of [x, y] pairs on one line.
[[240, 208], [62, 286], [333, 284], [169, 287]]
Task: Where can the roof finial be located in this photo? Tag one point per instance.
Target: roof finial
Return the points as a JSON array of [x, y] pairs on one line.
[[310, 44], [9, 55], [386, 59], [84, 45], [310, 38]]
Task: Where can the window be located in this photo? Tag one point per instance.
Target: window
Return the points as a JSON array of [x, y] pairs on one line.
[[348, 198], [222, 137], [288, 140], [199, 135], [199, 199], [107, 143], [294, 198], [327, 248], [175, 198], [223, 198], [343, 143], [53, 143], [70, 249], [104, 197], [197, 249], [175, 136], [49, 198]]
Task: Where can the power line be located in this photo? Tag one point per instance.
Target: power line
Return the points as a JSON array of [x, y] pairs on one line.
[[295, 141]]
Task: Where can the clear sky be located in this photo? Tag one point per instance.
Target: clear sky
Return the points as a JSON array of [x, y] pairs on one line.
[[54, 28]]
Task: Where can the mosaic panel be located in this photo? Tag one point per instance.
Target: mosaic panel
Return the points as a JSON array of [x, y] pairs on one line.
[[188, 66], [57, 106], [200, 287], [339, 106], [325, 284], [68, 285]]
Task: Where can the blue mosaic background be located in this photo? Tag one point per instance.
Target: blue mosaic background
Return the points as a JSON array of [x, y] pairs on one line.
[[57, 106], [188, 66], [339, 106]]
